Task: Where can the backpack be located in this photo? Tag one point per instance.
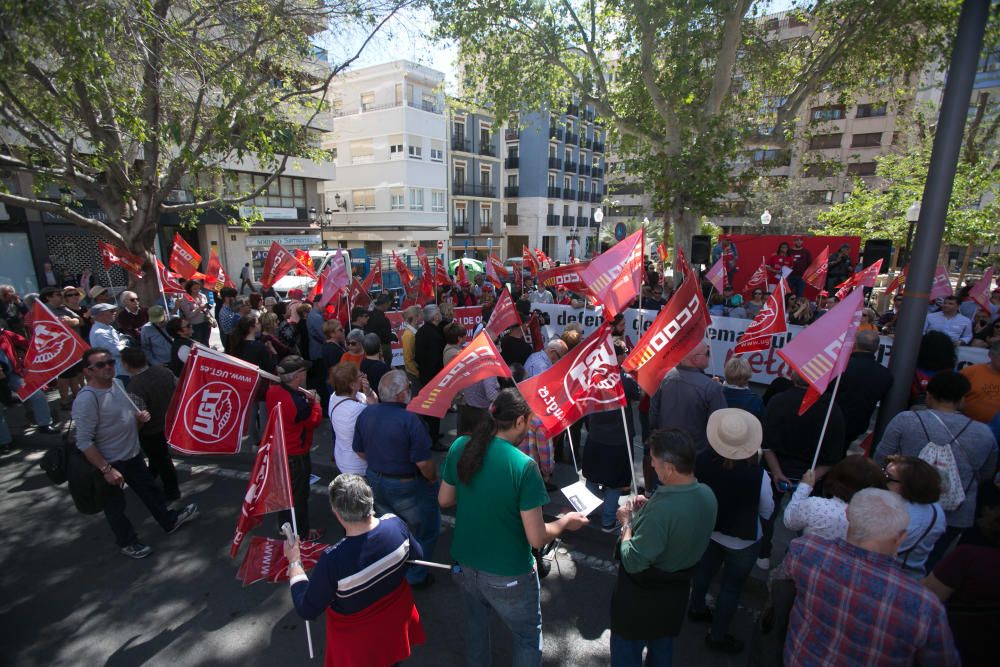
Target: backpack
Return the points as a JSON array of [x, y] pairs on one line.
[[942, 457], [66, 462]]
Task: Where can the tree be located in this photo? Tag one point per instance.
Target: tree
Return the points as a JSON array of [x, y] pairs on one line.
[[117, 101], [682, 84]]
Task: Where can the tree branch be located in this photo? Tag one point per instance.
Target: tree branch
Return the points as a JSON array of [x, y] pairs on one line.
[[732, 33], [100, 228]]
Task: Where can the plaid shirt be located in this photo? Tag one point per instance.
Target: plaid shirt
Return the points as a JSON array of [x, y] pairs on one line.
[[538, 447], [857, 607]]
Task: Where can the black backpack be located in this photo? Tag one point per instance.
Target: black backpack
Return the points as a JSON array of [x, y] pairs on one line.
[[67, 463]]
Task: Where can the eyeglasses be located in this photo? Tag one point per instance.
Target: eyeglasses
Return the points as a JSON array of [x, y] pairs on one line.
[[97, 365], [132, 298]]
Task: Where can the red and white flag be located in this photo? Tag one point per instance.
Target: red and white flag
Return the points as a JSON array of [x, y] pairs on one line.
[[980, 292], [898, 281], [265, 559], [405, 275], [305, 263], [504, 315], [335, 277], [663, 253], [586, 380], [615, 277], [426, 275], [461, 276], [815, 275], [168, 283], [496, 273], [717, 275], [477, 361], [425, 264], [277, 265], [357, 295], [757, 280], [821, 351], [210, 407], [529, 260], [678, 328], [374, 276], [270, 489], [183, 258], [441, 274], [216, 277], [112, 255], [865, 278], [941, 287], [567, 275], [53, 349], [770, 322]]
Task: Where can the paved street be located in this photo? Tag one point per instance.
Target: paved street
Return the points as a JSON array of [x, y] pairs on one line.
[[68, 598]]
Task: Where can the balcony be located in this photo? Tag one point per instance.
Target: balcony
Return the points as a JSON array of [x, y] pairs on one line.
[[595, 197], [582, 195], [487, 149], [554, 192], [486, 228], [596, 172], [589, 114], [473, 190], [510, 191], [568, 193], [571, 167], [598, 146], [555, 133], [552, 220], [510, 219], [572, 138], [572, 110], [587, 143], [424, 105], [460, 143], [583, 169], [568, 221], [460, 228], [511, 162], [555, 163], [511, 134]]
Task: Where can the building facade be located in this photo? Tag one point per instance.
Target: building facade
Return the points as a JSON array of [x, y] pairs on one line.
[[474, 186]]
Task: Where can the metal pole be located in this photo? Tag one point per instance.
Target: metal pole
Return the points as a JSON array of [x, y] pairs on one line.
[[934, 205]]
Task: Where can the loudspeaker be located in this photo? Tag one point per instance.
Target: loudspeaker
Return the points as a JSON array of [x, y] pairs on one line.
[[876, 249], [701, 249]]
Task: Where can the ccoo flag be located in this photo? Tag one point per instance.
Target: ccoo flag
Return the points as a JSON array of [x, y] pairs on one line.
[[820, 352], [477, 361], [277, 265], [567, 275], [615, 277], [54, 348], [183, 258], [586, 380], [270, 489]]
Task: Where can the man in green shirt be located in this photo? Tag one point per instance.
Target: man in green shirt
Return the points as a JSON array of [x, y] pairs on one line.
[[662, 541], [499, 495]]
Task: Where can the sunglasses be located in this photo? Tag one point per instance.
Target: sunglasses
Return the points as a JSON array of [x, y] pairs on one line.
[[97, 365]]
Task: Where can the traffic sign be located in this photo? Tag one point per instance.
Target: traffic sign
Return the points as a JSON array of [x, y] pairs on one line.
[[620, 231], [440, 245]]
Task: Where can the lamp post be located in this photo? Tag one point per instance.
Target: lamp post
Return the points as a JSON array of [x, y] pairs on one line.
[[912, 216]]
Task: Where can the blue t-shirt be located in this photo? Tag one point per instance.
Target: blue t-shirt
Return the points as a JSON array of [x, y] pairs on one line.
[[392, 439], [358, 571]]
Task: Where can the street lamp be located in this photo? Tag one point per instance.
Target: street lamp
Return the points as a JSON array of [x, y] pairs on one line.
[[598, 218], [765, 218]]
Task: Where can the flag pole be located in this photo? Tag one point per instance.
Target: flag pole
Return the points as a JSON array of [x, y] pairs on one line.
[[156, 269], [569, 436], [309, 637], [826, 421], [631, 460]]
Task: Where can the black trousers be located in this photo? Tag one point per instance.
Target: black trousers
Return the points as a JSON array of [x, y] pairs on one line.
[[299, 471], [161, 466], [137, 477]]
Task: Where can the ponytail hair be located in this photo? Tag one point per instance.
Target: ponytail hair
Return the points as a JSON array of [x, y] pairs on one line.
[[501, 415]]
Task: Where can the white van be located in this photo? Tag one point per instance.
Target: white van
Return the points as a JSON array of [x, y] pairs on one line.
[[305, 283]]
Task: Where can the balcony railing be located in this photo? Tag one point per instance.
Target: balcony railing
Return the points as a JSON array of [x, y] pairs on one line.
[[569, 193], [552, 220], [510, 219], [598, 146], [572, 138], [473, 190], [510, 191], [568, 221], [596, 172], [555, 163], [572, 110], [595, 197], [461, 228], [511, 133], [511, 162], [583, 169], [487, 149], [582, 196], [554, 191], [429, 107], [486, 228], [460, 143], [571, 166], [555, 133], [586, 143]]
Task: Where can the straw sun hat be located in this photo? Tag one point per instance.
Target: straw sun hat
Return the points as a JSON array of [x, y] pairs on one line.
[[734, 433]]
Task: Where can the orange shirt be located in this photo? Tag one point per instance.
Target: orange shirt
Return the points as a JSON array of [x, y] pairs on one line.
[[983, 401]]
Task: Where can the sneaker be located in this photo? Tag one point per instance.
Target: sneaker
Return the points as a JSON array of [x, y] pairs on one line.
[[183, 516], [48, 430], [727, 644], [700, 615], [613, 528], [764, 563], [137, 550]]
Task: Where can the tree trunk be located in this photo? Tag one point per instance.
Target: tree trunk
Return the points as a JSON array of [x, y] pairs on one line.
[[685, 227], [965, 265]]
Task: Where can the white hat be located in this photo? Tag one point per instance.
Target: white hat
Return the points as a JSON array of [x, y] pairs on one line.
[[734, 433]]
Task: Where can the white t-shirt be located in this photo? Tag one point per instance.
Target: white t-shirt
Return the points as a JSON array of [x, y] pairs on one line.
[[825, 517], [343, 415]]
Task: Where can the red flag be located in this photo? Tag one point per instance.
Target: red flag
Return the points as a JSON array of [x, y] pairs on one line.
[[757, 280], [54, 348], [815, 275], [663, 253], [587, 379], [567, 275], [216, 277], [357, 295], [678, 328], [496, 273], [504, 315], [615, 277], [405, 275], [426, 276], [277, 265], [820, 352], [898, 281], [717, 275], [440, 274], [425, 265], [335, 277], [168, 283], [265, 559], [113, 255], [865, 278], [941, 287], [211, 404], [183, 259], [477, 361], [270, 489], [529, 261], [770, 322], [683, 267], [980, 292], [461, 277], [374, 276], [305, 263], [543, 259]]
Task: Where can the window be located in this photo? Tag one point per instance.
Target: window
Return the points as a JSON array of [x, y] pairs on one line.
[[772, 157], [283, 192], [871, 110], [333, 154], [552, 209], [866, 139], [861, 169], [416, 151], [820, 197], [581, 185], [396, 199], [820, 169], [485, 217], [552, 180], [829, 112], [437, 200], [485, 177], [552, 150], [416, 199], [396, 147], [826, 141], [459, 129], [568, 156], [362, 151], [399, 94], [364, 200], [437, 151], [512, 150], [484, 134], [512, 180], [367, 100], [567, 183], [460, 173], [459, 215], [373, 248]]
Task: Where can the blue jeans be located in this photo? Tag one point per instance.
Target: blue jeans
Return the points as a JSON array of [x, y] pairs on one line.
[[736, 564], [38, 402], [5, 437], [610, 508], [516, 600], [415, 502], [628, 652]]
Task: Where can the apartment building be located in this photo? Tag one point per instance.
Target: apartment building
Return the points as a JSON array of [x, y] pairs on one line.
[[474, 186], [554, 171], [390, 140]]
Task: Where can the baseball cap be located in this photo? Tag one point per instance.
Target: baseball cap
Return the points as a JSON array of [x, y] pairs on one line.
[[292, 363], [99, 308], [156, 314]]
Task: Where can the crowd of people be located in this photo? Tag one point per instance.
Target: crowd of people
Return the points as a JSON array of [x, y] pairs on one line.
[[723, 467]]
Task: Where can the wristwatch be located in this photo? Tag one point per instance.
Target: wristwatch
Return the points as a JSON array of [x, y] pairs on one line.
[[293, 564]]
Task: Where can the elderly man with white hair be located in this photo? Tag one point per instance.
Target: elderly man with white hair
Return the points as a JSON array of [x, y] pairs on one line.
[[853, 603], [541, 361]]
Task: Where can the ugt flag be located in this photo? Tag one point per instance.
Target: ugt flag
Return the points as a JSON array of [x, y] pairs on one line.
[[53, 349], [820, 352], [677, 329], [211, 404], [277, 265], [114, 256], [496, 273], [941, 287], [504, 315], [864, 278], [168, 283], [265, 560], [305, 263], [815, 275], [770, 322], [183, 258], [586, 380], [615, 277], [477, 361], [757, 280], [270, 489]]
